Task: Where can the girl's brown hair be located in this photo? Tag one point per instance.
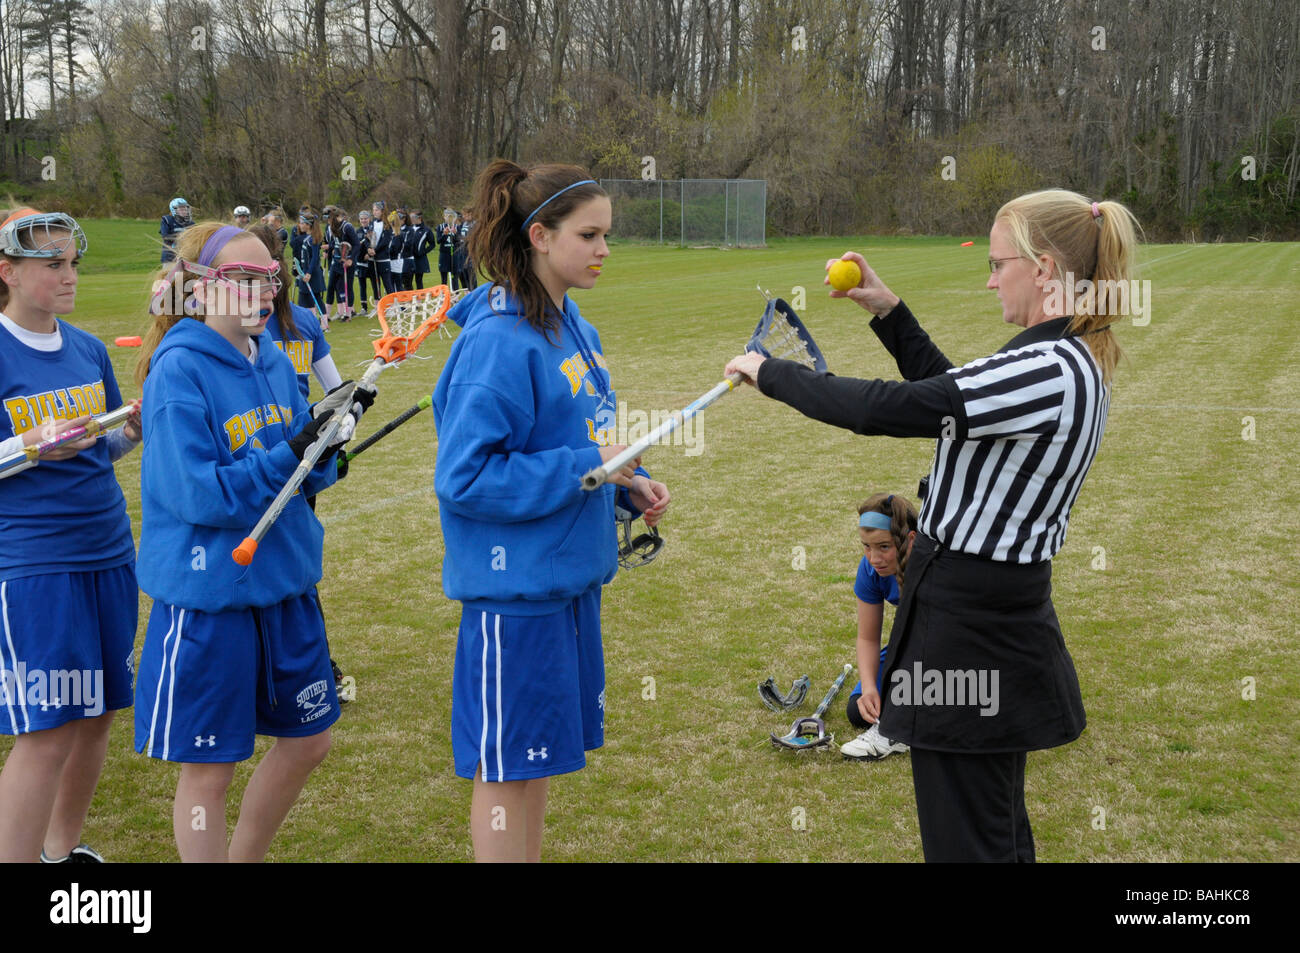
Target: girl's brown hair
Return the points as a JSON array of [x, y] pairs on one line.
[[505, 194], [314, 229], [1101, 248], [902, 518], [337, 218], [280, 303]]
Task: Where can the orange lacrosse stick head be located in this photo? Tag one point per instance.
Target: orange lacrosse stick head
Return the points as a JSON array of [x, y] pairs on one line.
[[397, 315]]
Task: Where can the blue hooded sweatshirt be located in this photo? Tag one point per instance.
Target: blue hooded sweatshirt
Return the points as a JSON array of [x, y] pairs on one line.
[[216, 452], [520, 420]]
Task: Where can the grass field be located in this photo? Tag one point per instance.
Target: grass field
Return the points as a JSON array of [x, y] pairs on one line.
[[1199, 527]]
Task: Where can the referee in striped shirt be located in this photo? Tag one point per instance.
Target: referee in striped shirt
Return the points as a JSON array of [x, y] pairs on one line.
[[977, 672]]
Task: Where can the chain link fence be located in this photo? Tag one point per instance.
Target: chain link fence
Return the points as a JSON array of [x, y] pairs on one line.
[[690, 211]]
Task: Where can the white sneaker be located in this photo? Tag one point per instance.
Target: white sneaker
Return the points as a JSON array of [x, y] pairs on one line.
[[871, 745]]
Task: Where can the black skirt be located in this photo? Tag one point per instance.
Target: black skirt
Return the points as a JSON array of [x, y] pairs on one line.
[[976, 659]]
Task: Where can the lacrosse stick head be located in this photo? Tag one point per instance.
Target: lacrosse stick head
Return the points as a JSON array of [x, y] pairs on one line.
[[634, 551], [805, 734], [781, 334], [406, 318]]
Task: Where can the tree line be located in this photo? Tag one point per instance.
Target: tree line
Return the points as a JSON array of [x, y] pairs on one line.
[[904, 115]]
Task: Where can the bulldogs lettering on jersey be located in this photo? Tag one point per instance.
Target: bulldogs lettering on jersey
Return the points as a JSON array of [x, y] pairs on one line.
[[299, 352], [65, 403], [576, 368], [240, 428]]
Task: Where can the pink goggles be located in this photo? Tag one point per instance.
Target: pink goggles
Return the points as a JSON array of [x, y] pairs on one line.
[[244, 278]]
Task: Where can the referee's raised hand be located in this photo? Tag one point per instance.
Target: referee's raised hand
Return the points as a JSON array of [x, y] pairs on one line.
[[870, 293]]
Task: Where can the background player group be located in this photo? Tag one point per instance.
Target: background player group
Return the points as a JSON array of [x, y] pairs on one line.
[[343, 263], [523, 408]]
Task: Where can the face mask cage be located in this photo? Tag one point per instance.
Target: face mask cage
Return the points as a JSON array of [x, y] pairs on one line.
[[45, 235], [634, 551]]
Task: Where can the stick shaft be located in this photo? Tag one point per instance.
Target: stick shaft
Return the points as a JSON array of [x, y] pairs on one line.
[[834, 690], [312, 456], [21, 459], [389, 427], [596, 477]]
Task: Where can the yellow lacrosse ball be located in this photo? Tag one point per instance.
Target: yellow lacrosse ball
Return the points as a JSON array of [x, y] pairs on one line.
[[844, 275]]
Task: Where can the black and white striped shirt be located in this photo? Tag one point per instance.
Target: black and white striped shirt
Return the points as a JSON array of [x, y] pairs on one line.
[[1016, 432]]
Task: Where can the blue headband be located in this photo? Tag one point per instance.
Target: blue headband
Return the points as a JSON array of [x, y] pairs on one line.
[[874, 520], [524, 227]]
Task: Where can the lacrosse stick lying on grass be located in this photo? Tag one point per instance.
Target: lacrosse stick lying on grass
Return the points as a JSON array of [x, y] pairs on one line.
[[20, 460], [771, 696], [808, 733], [407, 318], [780, 333]]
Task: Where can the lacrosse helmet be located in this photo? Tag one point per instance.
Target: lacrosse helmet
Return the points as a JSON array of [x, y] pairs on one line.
[[178, 203], [242, 210], [639, 550], [27, 233]]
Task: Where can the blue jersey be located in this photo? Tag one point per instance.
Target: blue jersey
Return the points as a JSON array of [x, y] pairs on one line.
[[306, 349], [64, 515], [216, 453], [873, 588], [520, 419]]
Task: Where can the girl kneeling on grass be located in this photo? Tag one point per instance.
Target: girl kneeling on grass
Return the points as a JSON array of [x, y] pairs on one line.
[[68, 598], [230, 652], [524, 408], [887, 526]]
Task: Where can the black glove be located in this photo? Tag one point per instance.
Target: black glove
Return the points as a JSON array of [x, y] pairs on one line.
[[307, 435], [342, 461]]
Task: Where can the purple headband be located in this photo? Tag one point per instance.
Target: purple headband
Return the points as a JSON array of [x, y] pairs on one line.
[[218, 240]]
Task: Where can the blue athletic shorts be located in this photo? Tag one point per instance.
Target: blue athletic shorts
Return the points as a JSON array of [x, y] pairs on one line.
[[211, 681], [67, 647], [528, 694]]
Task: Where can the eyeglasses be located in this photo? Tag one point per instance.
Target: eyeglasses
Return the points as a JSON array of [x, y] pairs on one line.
[[995, 262]]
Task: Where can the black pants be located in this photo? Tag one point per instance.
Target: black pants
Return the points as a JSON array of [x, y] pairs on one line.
[[971, 807], [386, 276]]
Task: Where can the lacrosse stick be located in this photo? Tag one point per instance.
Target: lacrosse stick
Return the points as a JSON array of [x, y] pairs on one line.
[[780, 333], [297, 273], [771, 696], [345, 249], [808, 733], [425, 402], [407, 319], [20, 460]]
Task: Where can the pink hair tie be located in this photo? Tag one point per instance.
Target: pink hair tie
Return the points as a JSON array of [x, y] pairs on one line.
[[1096, 212]]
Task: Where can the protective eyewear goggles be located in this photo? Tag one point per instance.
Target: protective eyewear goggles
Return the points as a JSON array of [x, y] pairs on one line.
[[244, 278]]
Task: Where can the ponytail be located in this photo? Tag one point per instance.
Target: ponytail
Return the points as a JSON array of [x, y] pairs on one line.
[[505, 195], [1096, 241]]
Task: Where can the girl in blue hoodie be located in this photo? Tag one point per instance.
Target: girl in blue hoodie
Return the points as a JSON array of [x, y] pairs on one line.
[[68, 596], [230, 652], [524, 407]]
